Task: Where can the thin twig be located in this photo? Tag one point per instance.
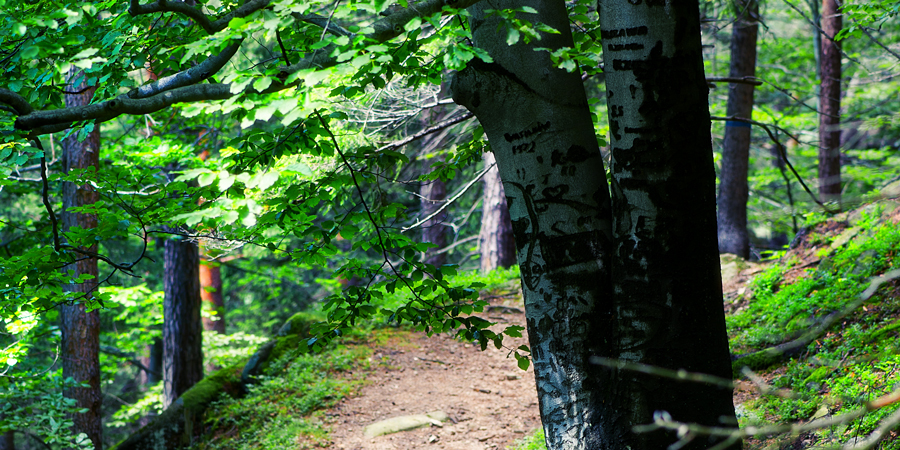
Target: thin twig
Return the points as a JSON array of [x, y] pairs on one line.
[[45, 195], [283, 50]]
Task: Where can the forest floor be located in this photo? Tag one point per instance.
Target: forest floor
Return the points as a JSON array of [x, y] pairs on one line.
[[490, 401]]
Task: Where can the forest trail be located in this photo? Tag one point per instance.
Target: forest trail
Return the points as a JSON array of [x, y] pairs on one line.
[[490, 401]]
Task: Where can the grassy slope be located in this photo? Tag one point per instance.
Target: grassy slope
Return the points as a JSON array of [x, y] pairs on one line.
[[857, 360]]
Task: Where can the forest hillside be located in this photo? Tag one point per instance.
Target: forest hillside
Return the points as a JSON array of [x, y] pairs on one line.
[[838, 354]]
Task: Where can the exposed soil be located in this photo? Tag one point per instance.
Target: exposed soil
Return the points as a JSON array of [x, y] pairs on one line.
[[490, 401]]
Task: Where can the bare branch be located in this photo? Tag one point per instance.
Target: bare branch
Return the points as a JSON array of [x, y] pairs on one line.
[[449, 201], [753, 81], [447, 123]]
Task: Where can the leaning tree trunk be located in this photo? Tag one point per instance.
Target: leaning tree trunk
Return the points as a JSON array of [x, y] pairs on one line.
[[733, 189], [495, 241], [666, 275], [537, 119], [182, 327], [830, 105], [78, 323]]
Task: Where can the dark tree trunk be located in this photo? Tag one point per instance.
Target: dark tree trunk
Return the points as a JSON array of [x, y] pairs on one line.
[[830, 106], [666, 275], [434, 193], [495, 241], [733, 189], [80, 327], [182, 327], [7, 439]]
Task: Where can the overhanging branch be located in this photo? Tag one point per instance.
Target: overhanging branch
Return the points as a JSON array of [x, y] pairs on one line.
[[177, 88]]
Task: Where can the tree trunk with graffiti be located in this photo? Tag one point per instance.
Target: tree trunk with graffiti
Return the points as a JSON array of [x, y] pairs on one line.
[[605, 278]]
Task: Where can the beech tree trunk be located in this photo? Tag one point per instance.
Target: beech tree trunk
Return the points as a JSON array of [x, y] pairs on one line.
[[539, 126], [656, 301], [733, 189], [495, 241], [830, 105], [182, 327], [666, 274], [79, 326]]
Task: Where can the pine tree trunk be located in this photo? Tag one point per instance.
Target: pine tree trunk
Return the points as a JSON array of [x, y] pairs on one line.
[[830, 106], [80, 328], [733, 189], [666, 275], [495, 241], [182, 327], [537, 120]]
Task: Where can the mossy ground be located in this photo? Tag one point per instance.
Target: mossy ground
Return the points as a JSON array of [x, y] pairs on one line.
[[856, 360]]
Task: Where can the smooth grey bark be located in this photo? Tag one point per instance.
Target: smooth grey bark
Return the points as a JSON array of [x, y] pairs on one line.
[[79, 326], [733, 189], [495, 240], [537, 120], [830, 105], [666, 274], [182, 327]]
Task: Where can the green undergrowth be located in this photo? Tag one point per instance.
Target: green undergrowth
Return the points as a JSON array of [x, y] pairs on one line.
[[283, 409], [855, 361], [533, 441]]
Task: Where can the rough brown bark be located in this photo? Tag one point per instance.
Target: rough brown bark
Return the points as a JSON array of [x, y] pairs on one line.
[[830, 105], [495, 241], [733, 190], [182, 327], [80, 327], [666, 276]]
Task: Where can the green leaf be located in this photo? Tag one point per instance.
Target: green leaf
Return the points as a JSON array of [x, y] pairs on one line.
[[262, 84], [522, 361], [206, 179]]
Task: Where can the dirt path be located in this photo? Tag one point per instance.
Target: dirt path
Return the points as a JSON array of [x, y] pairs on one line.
[[490, 401]]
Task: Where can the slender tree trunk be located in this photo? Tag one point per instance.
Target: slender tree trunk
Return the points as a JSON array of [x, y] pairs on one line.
[[666, 275], [211, 293], [496, 242], [830, 105], [211, 297], [733, 189], [434, 193], [79, 326], [539, 125], [182, 327]]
